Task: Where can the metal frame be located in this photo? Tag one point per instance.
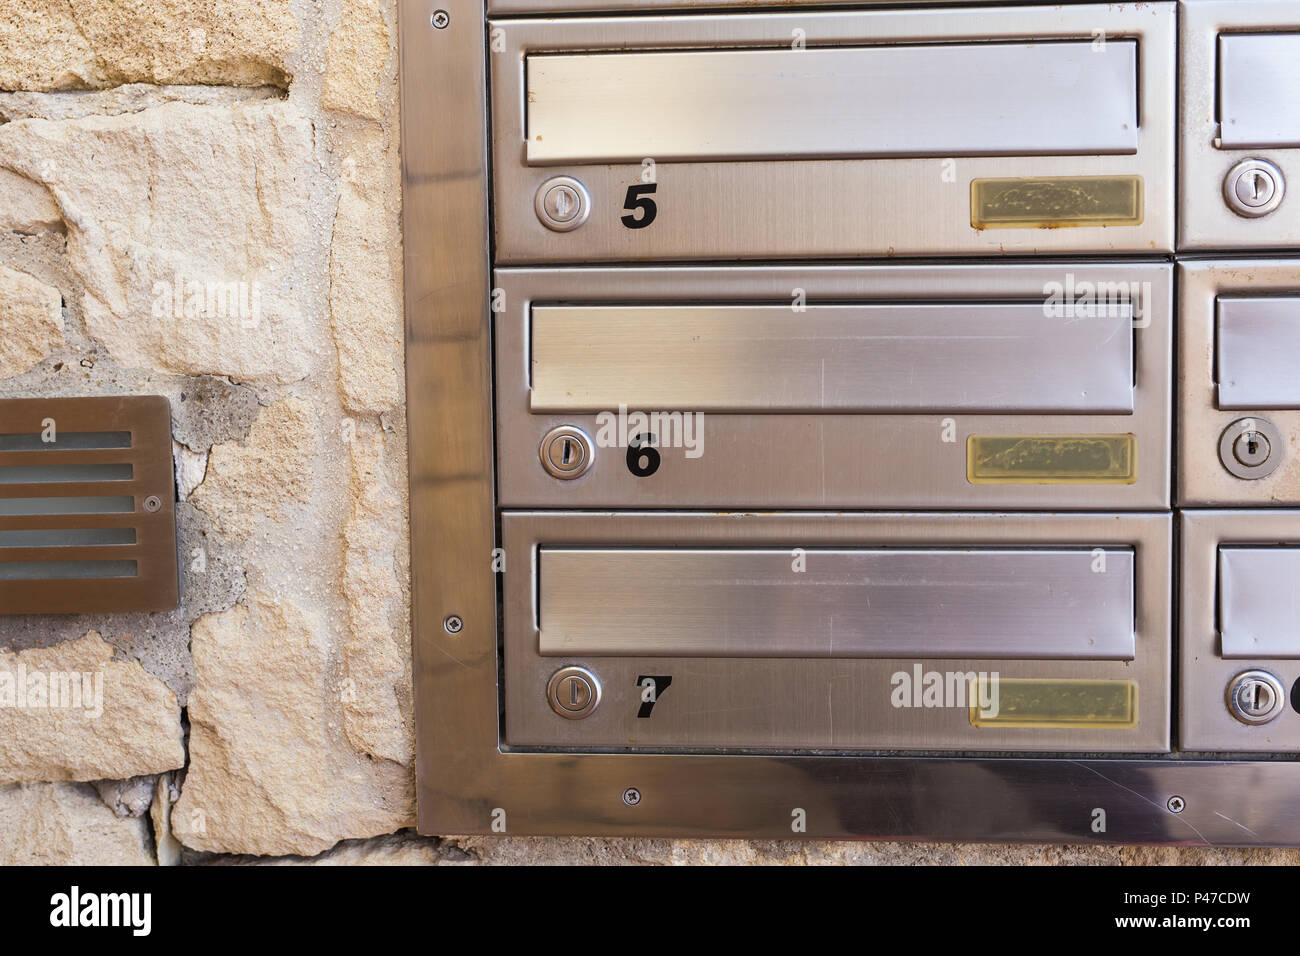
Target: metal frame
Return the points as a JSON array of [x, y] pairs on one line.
[[467, 783]]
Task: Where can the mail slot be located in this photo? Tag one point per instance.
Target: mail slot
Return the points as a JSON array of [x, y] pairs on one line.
[[926, 603], [813, 630], [842, 386], [1240, 633], [872, 133], [1240, 124], [1239, 393], [1259, 602]]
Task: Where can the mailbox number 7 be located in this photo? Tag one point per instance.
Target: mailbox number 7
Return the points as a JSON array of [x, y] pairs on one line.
[[638, 199]]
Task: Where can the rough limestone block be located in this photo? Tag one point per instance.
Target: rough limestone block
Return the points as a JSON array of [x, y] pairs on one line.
[[31, 322]]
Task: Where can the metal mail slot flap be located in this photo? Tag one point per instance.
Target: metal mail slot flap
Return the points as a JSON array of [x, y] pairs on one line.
[[960, 99], [915, 357], [1259, 90], [1030, 604], [1259, 602], [1258, 340]]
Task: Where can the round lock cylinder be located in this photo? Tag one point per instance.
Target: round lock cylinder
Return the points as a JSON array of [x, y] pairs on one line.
[[573, 692], [1256, 697], [1251, 448], [1254, 188], [566, 452], [562, 203]]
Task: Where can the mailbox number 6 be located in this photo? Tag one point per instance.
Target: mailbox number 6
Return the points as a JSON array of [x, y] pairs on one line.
[[638, 199], [642, 457]]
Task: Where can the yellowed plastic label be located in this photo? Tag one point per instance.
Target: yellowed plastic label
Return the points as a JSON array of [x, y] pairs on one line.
[[1051, 459], [1056, 202], [1048, 703]]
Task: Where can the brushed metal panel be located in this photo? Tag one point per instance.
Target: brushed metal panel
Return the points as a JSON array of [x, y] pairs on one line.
[[1232, 109], [448, 399], [836, 207], [1259, 602], [1026, 99], [913, 357], [818, 703], [87, 506], [1043, 604], [779, 460], [1259, 79], [1203, 287], [1206, 670], [1258, 341]]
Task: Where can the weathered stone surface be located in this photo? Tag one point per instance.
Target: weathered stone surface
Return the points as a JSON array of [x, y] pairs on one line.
[[127, 798], [270, 770], [1209, 856], [358, 60], [187, 227], [167, 848], [623, 852], [211, 410], [113, 720], [261, 477], [132, 98], [31, 321], [67, 824], [42, 48], [62, 44], [26, 206], [365, 287], [405, 848], [377, 693]]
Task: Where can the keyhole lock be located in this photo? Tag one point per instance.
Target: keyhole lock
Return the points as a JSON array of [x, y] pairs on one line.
[[1254, 188], [1256, 697], [562, 203], [573, 692], [566, 452], [1251, 448]]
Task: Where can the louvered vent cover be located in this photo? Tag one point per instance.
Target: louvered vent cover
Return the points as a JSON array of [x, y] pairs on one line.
[[87, 506]]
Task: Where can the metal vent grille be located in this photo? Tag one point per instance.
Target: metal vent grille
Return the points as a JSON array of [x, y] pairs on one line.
[[87, 505]]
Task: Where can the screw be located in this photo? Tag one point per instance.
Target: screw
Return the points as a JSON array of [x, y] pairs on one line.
[[453, 624], [1176, 804], [152, 503], [631, 796], [440, 19]]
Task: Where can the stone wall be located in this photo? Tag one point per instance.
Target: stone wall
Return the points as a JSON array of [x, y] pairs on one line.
[[149, 152]]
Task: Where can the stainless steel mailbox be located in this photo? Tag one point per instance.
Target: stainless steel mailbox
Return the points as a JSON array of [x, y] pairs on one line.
[[794, 135], [1239, 388], [1240, 633], [799, 631], [1239, 124], [791, 428], [962, 387]]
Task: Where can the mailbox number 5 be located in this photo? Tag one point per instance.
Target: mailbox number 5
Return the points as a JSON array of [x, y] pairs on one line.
[[638, 200]]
